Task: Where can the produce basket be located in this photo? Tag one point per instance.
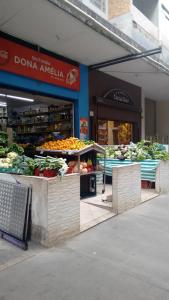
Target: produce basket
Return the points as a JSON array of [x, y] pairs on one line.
[[10, 170]]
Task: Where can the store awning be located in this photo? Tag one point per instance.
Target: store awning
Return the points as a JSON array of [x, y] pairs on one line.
[[44, 24]]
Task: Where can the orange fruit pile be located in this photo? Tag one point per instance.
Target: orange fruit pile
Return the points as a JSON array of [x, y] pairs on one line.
[[67, 144]]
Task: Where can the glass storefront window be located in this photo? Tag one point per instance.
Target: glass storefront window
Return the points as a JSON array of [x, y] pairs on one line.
[[114, 132]]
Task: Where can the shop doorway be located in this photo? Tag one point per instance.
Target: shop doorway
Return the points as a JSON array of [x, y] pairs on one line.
[[34, 119], [114, 132]]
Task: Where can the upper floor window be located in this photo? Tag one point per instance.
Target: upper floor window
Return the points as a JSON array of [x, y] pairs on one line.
[[165, 11], [100, 4]]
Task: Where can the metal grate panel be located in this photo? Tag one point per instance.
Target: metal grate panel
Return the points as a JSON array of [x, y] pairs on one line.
[[14, 200]]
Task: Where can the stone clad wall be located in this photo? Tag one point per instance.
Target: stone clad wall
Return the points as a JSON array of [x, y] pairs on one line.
[[162, 177], [63, 208], [55, 207], [126, 187]]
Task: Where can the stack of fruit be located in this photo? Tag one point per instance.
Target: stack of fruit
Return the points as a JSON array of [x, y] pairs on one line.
[[67, 144], [85, 167]]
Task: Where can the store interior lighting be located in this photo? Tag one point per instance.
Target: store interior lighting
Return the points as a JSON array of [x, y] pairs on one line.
[[3, 104], [16, 97]]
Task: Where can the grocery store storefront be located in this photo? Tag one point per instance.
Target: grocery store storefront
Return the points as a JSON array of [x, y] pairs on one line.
[[115, 110], [41, 93]]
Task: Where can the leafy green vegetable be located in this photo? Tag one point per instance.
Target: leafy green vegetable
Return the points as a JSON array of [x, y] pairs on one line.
[[49, 163], [24, 165], [16, 148], [137, 152], [89, 142], [3, 151], [3, 138]]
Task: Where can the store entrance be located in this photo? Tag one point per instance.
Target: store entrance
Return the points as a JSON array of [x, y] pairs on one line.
[[34, 119], [114, 132]]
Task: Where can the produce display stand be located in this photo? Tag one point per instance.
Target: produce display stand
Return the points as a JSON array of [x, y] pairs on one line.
[[89, 151]]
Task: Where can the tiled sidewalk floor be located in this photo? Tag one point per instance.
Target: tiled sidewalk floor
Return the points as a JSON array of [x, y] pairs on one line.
[[93, 211], [124, 258], [11, 255]]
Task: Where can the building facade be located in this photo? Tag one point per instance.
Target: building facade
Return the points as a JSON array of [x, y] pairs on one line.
[[88, 32], [147, 24], [48, 79]]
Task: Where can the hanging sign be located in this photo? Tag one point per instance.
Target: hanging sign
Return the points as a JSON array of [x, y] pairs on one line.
[[84, 128], [30, 63], [116, 95]]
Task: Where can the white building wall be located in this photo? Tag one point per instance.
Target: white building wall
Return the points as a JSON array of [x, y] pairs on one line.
[[142, 115], [163, 120], [150, 118]]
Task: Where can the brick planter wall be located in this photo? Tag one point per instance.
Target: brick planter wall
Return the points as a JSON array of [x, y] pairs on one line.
[[126, 187], [162, 177], [55, 207]]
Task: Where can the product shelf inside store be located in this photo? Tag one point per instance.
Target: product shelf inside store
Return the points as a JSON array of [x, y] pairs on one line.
[[28, 114], [39, 123], [40, 132], [40, 119]]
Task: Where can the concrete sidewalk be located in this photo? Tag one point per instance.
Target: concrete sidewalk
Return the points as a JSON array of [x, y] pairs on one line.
[[125, 258]]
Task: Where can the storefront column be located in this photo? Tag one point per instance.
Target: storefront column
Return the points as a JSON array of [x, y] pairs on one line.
[[142, 115], [83, 109]]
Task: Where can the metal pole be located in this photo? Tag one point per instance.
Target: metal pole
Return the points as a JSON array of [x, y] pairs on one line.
[[104, 182], [125, 58]]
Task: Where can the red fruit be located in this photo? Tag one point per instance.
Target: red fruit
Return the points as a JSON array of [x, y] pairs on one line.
[[90, 168], [36, 172], [49, 173], [70, 170]]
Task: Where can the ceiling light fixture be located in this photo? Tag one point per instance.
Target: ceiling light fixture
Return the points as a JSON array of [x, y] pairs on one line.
[[20, 98], [16, 97]]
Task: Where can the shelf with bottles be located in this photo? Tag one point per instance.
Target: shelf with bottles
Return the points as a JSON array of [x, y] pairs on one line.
[[3, 117], [39, 123], [30, 121], [39, 115], [42, 119], [40, 132], [41, 128], [48, 110], [3, 111]]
